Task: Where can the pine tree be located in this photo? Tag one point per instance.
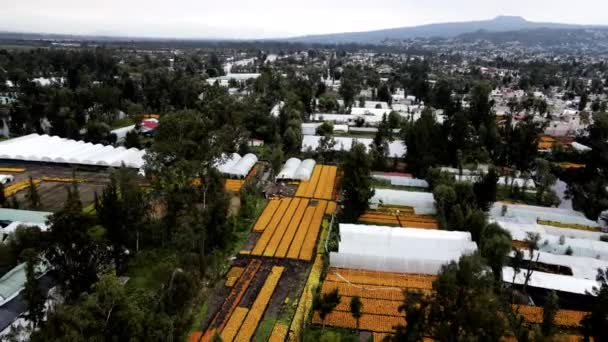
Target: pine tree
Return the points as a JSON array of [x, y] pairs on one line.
[[357, 183], [32, 195], [33, 295]]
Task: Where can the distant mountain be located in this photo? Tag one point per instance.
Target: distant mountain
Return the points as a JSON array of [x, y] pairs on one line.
[[442, 30]]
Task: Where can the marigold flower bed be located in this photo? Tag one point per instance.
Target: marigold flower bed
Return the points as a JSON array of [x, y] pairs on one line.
[[321, 184], [564, 318], [233, 275], [312, 233], [256, 312], [279, 332], [234, 324], [374, 323], [279, 232], [263, 241], [292, 228], [373, 306], [19, 186], [266, 216], [232, 300], [414, 281]]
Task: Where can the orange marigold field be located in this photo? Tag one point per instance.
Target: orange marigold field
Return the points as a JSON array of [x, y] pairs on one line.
[[266, 216], [233, 275], [374, 323], [414, 281], [331, 208], [279, 333], [373, 306], [259, 305], [564, 318], [279, 232], [364, 291], [234, 324], [310, 241], [291, 229], [263, 241], [298, 239]]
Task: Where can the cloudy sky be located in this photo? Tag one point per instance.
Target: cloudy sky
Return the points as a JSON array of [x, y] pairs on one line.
[[272, 18]]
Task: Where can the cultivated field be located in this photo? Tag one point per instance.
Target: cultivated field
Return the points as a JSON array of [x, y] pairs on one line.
[[321, 184]]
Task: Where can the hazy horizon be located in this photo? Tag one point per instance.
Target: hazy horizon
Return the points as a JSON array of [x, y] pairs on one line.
[[241, 19]]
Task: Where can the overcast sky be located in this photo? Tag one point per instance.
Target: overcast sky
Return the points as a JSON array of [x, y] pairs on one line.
[[272, 18]]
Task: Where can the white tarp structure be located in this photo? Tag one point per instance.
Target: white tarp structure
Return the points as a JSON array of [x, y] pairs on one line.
[[44, 148], [402, 180], [403, 250], [582, 268], [422, 202], [558, 240], [580, 147], [304, 171], [549, 281], [295, 169], [121, 133], [289, 169], [396, 148], [227, 162], [502, 181], [531, 214], [243, 166]]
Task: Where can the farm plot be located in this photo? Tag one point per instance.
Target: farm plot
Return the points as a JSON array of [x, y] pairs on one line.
[[401, 220], [381, 295], [250, 324], [321, 184], [234, 320], [229, 305], [292, 230], [234, 185], [563, 318]]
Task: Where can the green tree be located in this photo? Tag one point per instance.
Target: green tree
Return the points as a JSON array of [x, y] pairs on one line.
[[132, 140], [121, 210], [544, 179], [594, 324], [356, 308], [425, 143], [325, 303], [3, 201], [415, 308], [464, 306], [357, 183], [76, 251], [276, 159], [486, 189], [495, 248], [549, 311], [32, 195], [32, 293]]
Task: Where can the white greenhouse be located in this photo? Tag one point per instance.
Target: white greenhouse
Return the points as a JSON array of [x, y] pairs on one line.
[[53, 149], [403, 250], [396, 148], [242, 168], [532, 214], [549, 281], [295, 169], [422, 202]]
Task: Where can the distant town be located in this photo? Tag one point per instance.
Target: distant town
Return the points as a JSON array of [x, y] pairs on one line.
[[376, 186]]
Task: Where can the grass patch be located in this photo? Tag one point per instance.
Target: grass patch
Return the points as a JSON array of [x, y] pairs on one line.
[[315, 334], [199, 316], [523, 197], [124, 122], [265, 329], [150, 269]]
